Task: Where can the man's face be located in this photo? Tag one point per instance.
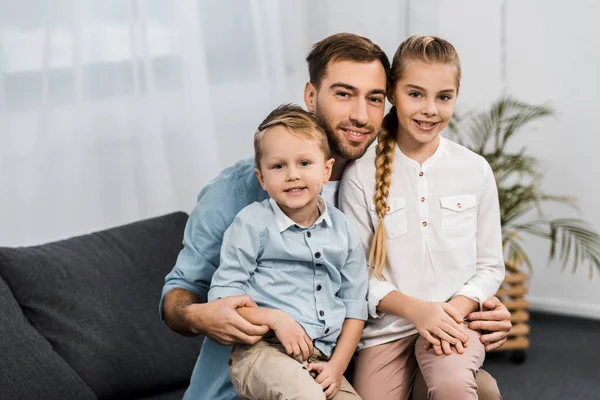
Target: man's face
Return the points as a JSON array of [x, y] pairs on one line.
[[349, 105], [292, 169]]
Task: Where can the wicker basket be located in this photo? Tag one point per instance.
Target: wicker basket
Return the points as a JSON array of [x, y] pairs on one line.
[[512, 293]]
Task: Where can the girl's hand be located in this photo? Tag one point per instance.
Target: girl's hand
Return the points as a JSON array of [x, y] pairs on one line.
[[438, 321], [292, 336], [446, 347], [330, 377]]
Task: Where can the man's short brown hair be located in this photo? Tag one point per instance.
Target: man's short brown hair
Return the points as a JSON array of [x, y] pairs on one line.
[[299, 122], [343, 47]]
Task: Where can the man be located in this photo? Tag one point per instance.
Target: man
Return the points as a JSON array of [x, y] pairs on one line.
[[346, 92]]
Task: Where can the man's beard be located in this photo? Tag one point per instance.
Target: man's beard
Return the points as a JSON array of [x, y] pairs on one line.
[[346, 149]]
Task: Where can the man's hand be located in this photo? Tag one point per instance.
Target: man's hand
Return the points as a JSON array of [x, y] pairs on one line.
[[329, 377], [495, 319], [292, 336], [217, 319]]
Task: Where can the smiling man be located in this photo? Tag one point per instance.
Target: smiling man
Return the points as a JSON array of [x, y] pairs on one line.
[[346, 92]]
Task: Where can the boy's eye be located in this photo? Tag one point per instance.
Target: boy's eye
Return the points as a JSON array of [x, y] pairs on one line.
[[277, 166]]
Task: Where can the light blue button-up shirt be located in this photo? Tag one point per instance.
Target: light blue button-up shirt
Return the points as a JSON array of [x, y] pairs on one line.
[[316, 275], [218, 204]]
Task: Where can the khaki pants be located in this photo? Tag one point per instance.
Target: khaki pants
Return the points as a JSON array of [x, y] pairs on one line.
[[265, 372], [387, 371]]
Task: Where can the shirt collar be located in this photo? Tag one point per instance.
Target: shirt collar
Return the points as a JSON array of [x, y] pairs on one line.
[[430, 161], [284, 222]]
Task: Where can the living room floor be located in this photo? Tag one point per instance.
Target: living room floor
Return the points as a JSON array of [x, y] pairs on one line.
[[562, 361]]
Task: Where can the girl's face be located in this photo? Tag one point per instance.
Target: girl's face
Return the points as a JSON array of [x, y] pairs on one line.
[[424, 97]]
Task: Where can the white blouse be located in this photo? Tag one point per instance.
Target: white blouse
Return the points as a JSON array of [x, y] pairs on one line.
[[443, 233]]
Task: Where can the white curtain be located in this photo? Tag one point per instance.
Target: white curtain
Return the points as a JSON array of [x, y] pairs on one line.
[[116, 110]]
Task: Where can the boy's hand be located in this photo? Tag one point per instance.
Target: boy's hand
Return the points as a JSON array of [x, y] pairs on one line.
[[292, 336], [329, 377], [438, 321]]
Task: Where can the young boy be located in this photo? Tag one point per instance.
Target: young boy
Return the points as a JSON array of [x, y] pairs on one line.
[[302, 263]]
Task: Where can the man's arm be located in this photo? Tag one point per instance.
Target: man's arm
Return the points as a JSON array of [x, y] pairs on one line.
[[186, 286]]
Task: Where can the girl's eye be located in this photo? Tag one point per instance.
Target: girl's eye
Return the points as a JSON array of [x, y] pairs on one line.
[[414, 94], [445, 97], [305, 163]]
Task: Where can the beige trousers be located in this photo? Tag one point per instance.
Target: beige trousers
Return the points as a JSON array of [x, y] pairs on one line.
[[387, 371], [265, 372]]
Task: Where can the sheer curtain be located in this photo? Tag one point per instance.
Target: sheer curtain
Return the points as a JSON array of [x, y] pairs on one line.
[[108, 108], [117, 110]]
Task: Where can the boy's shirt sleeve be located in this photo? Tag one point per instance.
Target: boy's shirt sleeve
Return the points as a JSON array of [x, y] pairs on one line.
[[241, 247], [353, 291], [490, 261], [353, 203]]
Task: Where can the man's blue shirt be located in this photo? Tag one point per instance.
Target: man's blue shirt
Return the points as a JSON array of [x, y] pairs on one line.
[[218, 204]]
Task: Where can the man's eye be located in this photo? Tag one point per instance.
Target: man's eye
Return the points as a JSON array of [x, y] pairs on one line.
[[343, 94], [376, 99]]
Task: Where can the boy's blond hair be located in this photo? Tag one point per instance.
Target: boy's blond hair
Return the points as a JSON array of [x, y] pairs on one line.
[[299, 122]]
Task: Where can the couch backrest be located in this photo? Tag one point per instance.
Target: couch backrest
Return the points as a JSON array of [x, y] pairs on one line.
[[94, 298]]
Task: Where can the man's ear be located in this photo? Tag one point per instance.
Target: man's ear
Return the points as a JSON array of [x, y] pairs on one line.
[[310, 96], [328, 168], [260, 177], [390, 96]]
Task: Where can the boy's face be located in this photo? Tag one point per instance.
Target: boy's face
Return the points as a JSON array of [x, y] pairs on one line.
[[349, 105], [293, 169], [424, 97]]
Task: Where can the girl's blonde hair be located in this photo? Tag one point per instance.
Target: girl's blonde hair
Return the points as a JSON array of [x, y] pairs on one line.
[[428, 49]]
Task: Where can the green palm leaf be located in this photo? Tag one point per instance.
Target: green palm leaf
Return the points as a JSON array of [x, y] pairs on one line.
[[571, 241]]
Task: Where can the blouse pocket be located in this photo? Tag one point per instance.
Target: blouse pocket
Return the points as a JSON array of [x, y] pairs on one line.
[[459, 214], [394, 221]]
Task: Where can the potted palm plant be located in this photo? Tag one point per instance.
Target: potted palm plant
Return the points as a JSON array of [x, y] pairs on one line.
[[571, 241]]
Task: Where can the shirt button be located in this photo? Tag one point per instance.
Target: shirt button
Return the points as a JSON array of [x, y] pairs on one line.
[[422, 199], [318, 288], [308, 234], [326, 331], [321, 313], [421, 173], [424, 223], [317, 255]]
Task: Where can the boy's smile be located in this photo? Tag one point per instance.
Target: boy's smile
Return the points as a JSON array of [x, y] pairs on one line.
[[293, 170]]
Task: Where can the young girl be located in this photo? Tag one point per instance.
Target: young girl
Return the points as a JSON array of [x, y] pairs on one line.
[[427, 210]]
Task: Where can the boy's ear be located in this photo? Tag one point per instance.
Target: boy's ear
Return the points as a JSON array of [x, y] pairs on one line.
[[310, 95], [328, 168], [260, 177]]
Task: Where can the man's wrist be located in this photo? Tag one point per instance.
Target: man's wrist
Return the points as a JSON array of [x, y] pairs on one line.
[[190, 316]]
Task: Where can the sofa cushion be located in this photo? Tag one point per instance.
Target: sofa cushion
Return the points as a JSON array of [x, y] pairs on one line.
[[95, 299], [29, 368]]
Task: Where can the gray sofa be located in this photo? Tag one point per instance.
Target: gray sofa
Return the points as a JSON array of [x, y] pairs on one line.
[[79, 317]]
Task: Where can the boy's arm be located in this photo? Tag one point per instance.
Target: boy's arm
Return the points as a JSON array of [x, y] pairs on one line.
[[346, 343], [241, 246], [490, 261]]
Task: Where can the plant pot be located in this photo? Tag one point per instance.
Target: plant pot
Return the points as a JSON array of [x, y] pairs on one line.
[[512, 293]]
